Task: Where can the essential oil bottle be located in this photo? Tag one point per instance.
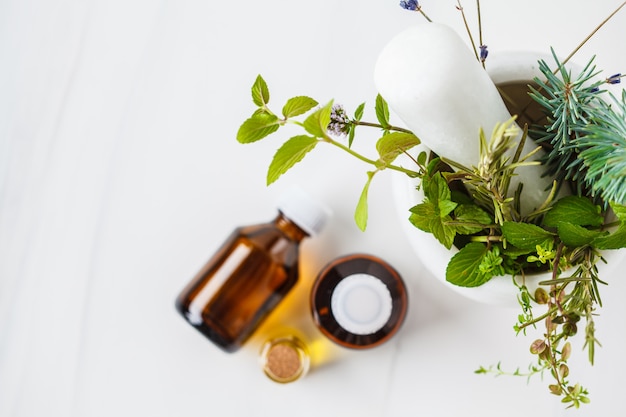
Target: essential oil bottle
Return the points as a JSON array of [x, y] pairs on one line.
[[285, 359], [359, 301], [254, 269]]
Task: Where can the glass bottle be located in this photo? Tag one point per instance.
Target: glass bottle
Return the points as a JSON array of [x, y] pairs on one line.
[[359, 301], [251, 273], [285, 359]]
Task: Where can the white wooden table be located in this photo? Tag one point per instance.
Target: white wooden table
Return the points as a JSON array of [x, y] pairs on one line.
[[120, 175]]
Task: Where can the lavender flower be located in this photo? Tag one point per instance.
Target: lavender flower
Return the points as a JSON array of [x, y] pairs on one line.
[[339, 121], [412, 5], [483, 53], [614, 79]]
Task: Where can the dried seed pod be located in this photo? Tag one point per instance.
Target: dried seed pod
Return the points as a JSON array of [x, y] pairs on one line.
[[537, 346]]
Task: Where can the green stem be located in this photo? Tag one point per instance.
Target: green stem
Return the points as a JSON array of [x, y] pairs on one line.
[[424, 14], [467, 28], [367, 160], [480, 26], [369, 124], [580, 45], [486, 239], [538, 319]]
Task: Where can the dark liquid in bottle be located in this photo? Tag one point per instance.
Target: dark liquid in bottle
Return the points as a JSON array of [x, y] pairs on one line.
[[249, 275]]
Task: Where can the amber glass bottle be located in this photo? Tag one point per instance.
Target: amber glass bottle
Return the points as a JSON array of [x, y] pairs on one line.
[[359, 301], [250, 274]]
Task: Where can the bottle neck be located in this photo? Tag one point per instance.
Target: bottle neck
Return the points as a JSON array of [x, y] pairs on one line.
[[289, 228]]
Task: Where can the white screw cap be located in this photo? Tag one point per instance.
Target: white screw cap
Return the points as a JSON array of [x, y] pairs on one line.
[[361, 304], [299, 207]]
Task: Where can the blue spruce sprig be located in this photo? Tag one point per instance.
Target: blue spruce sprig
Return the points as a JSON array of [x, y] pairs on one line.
[[585, 137]]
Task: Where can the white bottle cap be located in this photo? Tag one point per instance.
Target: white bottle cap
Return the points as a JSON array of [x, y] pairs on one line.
[[361, 304], [299, 207]]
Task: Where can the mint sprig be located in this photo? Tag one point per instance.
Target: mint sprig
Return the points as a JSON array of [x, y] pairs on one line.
[[316, 123]]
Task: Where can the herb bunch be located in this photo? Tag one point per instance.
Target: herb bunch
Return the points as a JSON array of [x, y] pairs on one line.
[[474, 209], [326, 124]]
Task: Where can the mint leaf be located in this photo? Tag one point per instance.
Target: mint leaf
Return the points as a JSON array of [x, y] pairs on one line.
[[446, 207], [464, 267], [620, 211], [260, 92], [437, 195], [296, 106], [525, 235], [437, 189], [617, 239], [382, 111], [422, 158], [257, 127], [442, 230], [573, 235], [317, 123], [288, 155], [475, 217], [574, 209], [425, 217], [421, 215], [361, 212], [358, 113], [394, 144], [351, 136]]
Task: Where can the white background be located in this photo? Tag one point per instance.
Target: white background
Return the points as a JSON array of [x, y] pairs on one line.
[[120, 175]]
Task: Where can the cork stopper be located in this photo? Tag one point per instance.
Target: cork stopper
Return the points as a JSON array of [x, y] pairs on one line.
[[284, 359]]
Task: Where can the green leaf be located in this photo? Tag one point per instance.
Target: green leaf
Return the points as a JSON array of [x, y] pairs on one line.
[[617, 239], [513, 251], [257, 127], [351, 135], [474, 216], [437, 188], [442, 230], [525, 235], [620, 211], [317, 122], [463, 269], [296, 106], [422, 158], [358, 113], [260, 92], [574, 209], [382, 111], [462, 197], [433, 215], [394, 144], [573, 235], [288, 155], [361, 212], [446, 207], [421, 215]]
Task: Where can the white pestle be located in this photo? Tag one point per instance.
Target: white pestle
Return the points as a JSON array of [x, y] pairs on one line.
[[433, 82]]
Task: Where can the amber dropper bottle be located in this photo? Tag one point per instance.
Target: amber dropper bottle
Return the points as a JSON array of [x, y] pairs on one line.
[[251, 273]]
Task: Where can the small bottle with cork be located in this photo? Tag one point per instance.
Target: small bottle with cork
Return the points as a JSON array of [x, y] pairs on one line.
[[285, 359]]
